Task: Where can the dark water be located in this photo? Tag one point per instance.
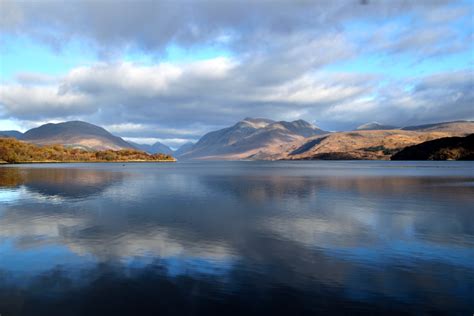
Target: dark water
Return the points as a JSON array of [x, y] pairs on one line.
[[241, 238]]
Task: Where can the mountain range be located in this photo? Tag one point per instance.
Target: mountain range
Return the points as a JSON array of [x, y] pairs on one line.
[[263, 139], [259, 138]]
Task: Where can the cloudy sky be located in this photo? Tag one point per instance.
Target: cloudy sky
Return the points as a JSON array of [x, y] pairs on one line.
[[174, 70]]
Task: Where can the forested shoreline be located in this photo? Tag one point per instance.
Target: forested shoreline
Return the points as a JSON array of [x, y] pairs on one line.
[[15, 151]]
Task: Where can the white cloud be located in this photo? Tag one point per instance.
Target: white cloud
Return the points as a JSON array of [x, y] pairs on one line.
[[35, 102]]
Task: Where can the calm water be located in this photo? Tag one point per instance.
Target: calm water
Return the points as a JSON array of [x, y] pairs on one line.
[[237, 238]]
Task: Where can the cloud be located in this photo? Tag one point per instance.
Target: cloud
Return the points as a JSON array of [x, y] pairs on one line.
[[31, 78], [185, 101], [111, 26], [434, 98], [39, 102], [175, 101]]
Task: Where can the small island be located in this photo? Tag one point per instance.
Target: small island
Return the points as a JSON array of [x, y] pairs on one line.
[[14, 151]]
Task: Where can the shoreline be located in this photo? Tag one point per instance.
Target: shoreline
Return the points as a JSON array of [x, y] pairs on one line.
[[75, 161]]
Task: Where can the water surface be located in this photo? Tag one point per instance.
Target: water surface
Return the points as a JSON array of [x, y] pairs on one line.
[[237, 238]]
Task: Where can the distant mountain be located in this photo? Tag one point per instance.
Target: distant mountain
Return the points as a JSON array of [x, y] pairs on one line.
[[374, 126], [249, 137], [448, 148], [75, 134], [183, 149], [455, 126], [153, 149], [14, 134]]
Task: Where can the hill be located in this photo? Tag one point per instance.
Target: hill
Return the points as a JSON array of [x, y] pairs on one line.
[[248, 137], [76, 134], [370, 145], [15, 151], [448, 148]]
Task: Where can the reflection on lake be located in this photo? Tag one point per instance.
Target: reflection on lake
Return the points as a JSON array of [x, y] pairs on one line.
[[237, 238]]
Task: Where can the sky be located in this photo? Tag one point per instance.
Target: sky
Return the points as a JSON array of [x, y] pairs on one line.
[[172, 71]]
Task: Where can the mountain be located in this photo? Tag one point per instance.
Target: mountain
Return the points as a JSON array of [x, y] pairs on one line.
[[153, 149], [14, 134], [374, 126], [247, 138], [75, 134], [183, 149], [448, 148], [453, 127]]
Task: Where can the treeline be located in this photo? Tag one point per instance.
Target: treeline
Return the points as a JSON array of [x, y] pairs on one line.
[[14, 151]]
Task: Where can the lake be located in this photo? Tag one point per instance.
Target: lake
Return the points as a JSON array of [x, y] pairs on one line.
[[244, 238]]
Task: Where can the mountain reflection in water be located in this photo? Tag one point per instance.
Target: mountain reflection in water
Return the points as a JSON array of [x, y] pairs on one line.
[[237, 238]]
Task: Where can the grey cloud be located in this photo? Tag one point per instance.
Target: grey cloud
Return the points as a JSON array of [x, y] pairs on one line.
[[152, 25], [186, 101], [435, 98], [164, 98], [423, 42]]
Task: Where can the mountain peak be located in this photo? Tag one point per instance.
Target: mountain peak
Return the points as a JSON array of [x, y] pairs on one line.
[[257, 122]]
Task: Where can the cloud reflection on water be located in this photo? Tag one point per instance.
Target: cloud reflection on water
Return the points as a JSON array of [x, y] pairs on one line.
[[380, 235]]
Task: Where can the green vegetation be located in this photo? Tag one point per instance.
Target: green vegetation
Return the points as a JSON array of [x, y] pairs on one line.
[[14, 151]]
